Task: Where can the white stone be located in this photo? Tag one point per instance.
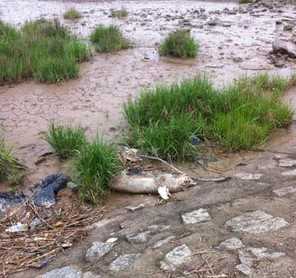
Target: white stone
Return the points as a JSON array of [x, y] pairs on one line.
[[138, 238], [196, 216], [231, 244], [256, 222], [287, 163], [124, 262], [284, 191], [289, 173], [248, 176], [64, 272], [176, 257], [98, 250]]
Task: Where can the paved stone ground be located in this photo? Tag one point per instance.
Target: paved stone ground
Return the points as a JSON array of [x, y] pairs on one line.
[[237, 228]]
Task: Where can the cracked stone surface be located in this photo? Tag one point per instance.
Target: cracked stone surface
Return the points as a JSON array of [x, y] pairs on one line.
[[98, 250], [231, 244], [196, 216], [124, 262], [64, 272], [176, 257], [256, 222]]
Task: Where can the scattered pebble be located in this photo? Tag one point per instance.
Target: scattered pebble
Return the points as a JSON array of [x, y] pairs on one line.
[[196, 216]]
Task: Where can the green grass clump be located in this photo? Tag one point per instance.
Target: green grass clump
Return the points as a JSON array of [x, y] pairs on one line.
[[122, 13], [65, 140], [108, 39], [245, 1], [163, 121], [94, 166], [42, 49], [11, 169], [72, 14], [179, 44]]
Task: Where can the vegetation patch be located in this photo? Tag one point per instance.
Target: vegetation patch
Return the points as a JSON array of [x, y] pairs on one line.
[[179, 44], [94, 166], [122, 13], [166, 121], [72, 14], [42, 49], [65, 140], [11, 169], [245, 1], [108, 39]]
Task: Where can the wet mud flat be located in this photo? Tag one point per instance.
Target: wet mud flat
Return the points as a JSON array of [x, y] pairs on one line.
[[234, 41]]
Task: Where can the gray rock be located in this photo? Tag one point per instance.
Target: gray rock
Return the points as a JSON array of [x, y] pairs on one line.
[[284, 191], [287, 163], [91, 275], [98, 250], [280, 46], [251, 255], [248, 176], [245, 269], [256, 222], [231, 244], [124, 262], [163, 241], [196, 216], [64, 272], [176, 257], [138, 238]]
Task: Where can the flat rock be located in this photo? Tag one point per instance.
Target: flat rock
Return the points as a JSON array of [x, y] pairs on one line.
[[98, 250], [196, 216], [64, 272], [231, 244], [284, 191], [138, 238], [176, 257], [287, 163], [124, 262], [248, 176], [251, 255], [256, 222], [289, 173], [163, 241]]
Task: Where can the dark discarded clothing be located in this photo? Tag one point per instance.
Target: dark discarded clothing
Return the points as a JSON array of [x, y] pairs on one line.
[[47, 189], [10, 199]]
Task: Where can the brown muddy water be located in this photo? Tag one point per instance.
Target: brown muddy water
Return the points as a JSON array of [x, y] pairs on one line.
[[238, 44]]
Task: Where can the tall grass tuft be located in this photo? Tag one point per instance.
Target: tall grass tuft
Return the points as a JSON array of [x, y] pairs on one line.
[[179, 44], [108, 39], [65, 140], [11, 169], [42, 49], [94, 166], [163, 121], [72, 14]]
